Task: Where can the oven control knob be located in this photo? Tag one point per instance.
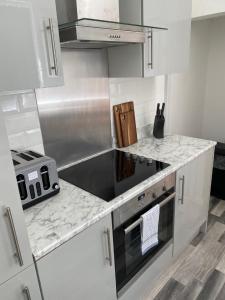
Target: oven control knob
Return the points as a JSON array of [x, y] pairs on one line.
[[164, 189], [154, 196]]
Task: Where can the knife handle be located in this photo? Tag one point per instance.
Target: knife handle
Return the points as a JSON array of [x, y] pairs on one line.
[[158, 109], [163, 108]]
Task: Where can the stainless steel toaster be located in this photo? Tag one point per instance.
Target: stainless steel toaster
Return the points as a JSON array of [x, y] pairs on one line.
[[36, 175]]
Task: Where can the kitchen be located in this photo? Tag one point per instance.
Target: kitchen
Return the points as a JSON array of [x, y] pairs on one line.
[[92, 208]]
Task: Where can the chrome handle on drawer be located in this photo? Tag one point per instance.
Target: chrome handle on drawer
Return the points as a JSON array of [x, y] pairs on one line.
[[182, 182], [109, 257], [50, 27], [27, 293], [8, 214]]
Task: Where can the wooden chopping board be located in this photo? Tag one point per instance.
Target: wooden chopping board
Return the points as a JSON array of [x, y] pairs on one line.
[[125, 124]]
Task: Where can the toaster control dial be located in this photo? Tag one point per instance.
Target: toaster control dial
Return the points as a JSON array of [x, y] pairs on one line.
[[55, 186]]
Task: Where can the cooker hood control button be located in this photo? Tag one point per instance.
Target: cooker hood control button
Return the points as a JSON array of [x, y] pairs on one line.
[[164, 189], [134, 156], [128, 155], [141, 159], [149, 162]]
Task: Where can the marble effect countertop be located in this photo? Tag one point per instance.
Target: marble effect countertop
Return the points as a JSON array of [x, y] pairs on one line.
[[55, 221]]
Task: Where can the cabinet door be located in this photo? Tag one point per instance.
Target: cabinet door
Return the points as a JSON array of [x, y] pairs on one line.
[[48, 44], [192, 200], [18, 57], [127, 60], [165, 51], [171, 48], [24, 286], [81, 267], [15, 253]]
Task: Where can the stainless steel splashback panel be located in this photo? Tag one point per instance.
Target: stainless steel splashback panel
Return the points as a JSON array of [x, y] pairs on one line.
[[75, 119]]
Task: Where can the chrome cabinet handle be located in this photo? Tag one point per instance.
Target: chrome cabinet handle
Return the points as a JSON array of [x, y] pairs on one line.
[[8, 214], [27, 293], [182, 182], [109, 257], [51, 29], [139, 221], [150, 47]]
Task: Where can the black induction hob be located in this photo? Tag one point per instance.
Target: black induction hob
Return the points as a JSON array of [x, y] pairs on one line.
[[111, 174]]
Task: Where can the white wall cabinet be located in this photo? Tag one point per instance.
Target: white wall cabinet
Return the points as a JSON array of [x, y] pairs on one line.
[[21, 287], [192, 200], [48, 44], [81, 267], [18, 57], [30, 48], [15, 253], [167, 52]]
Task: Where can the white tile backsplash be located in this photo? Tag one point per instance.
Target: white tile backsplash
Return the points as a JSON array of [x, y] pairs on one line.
[[22, 121], [145, 93]]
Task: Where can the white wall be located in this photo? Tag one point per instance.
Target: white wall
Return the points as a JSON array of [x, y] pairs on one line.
[[213, 126], [145, 93], [22, 121], [186, 92], [197, 97]]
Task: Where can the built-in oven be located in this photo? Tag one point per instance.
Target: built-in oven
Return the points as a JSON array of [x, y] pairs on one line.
[[127, 229]]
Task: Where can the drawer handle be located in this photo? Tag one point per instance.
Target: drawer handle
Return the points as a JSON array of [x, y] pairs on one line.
[[18, 254], [27, 293], [182, 182], [109, 257], [50, 27], [150, 48]]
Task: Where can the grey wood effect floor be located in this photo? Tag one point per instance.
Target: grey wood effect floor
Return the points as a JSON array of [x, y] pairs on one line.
[[199, 273]]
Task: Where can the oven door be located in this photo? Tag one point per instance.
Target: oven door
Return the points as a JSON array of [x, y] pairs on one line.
[[127, 240]]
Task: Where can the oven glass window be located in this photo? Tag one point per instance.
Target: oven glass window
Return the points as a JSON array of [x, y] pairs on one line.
[[128, 254]]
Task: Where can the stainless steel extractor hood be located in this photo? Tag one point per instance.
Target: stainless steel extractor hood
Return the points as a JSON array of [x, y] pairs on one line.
[[96, 24]]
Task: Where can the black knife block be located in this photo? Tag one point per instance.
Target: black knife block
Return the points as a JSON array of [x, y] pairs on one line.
[[158, 129]]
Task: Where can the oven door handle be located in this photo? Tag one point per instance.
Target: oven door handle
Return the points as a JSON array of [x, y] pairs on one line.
[[139, 221]]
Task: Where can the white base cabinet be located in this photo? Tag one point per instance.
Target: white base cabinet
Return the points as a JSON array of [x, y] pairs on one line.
[[15, 252], [192, 200], [82, 268], [24, 286]]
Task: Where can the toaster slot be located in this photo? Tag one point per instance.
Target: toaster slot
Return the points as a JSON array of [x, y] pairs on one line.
[[38, 188], [34, 154], [45, 177], [25, 157], [15, 162], [32, 192], [22, 186]]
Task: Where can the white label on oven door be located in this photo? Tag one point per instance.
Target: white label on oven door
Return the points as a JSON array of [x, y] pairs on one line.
[[33, 175]]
